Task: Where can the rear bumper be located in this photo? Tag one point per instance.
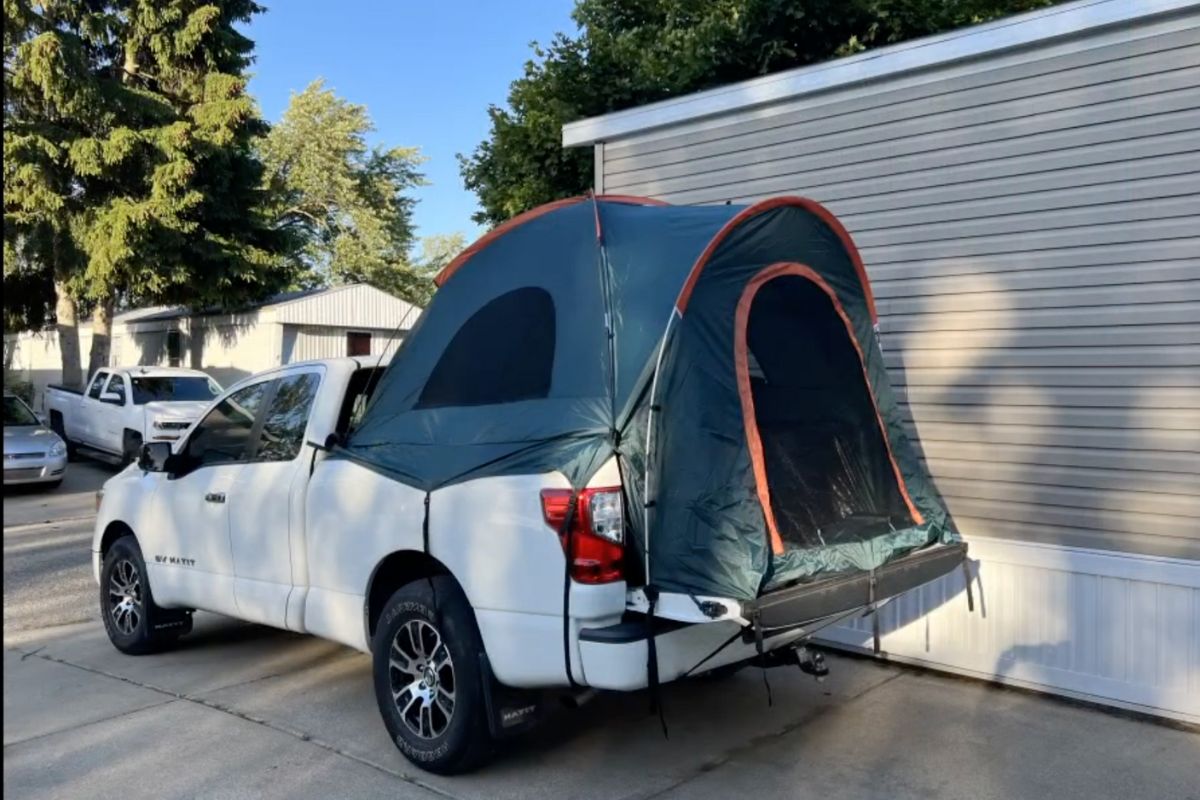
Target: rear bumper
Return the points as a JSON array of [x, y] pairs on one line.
[[806, 602], [615, 656]]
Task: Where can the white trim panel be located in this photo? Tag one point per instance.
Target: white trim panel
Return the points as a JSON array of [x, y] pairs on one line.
[[1110, 628]]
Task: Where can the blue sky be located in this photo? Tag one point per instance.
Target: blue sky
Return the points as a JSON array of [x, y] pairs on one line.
[[426, 71]]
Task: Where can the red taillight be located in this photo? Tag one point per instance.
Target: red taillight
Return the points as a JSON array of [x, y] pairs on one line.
[[597, 533]]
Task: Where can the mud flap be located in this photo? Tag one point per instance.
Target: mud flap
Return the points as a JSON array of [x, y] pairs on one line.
[[510, 711]]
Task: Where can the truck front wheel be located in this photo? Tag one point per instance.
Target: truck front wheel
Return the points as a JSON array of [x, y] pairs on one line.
[[134, 623], [428, 677]]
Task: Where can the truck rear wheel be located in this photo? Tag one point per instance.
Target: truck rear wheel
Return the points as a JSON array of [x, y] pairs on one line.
[[428, 677], [134, 623]]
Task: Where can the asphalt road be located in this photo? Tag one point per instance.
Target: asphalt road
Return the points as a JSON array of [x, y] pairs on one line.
[[242, 711], [47, 544]]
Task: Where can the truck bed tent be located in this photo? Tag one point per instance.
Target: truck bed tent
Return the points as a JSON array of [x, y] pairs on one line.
[[727, 355]]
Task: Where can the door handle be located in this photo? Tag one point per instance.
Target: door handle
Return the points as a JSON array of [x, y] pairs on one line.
[[215, 497]]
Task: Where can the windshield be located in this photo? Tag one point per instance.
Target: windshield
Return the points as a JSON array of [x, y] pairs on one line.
[[17, 413], [148, 390]]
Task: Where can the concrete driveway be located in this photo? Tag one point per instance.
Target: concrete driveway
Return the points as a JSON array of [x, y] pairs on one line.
[[241, 711]]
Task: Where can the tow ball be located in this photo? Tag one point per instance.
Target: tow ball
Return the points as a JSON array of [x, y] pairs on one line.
[[812, 662]]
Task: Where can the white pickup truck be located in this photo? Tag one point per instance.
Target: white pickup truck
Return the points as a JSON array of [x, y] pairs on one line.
[[458, 594], [122, 407]]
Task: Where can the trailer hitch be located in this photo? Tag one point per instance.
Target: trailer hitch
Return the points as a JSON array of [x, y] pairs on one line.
[[810, 662]]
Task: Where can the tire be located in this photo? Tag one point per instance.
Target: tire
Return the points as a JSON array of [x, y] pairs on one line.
[[436, 715], [131, 447], [135, 625]]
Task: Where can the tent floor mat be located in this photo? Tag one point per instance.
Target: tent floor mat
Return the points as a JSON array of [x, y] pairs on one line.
[[806, 602]]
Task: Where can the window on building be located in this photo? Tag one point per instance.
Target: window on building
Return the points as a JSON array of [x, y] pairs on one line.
[[174, 348], [287, 417], [502, 354], [358, 343]]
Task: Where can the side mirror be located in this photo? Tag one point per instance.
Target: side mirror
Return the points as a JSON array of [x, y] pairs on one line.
[[112, 398], [155, 457]]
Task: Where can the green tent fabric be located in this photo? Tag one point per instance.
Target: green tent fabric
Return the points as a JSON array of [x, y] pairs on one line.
[[727, 355]]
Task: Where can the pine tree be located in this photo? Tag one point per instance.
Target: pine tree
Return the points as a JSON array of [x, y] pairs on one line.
[[129, 165]]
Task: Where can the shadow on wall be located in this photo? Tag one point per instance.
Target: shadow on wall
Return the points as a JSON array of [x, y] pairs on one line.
[[1093, 448]]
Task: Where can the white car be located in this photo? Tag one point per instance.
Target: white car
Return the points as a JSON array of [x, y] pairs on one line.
[[458, 594], [123, 407]]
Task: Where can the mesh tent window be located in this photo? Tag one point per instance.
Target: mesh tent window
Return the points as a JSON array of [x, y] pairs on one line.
[[502, 354]]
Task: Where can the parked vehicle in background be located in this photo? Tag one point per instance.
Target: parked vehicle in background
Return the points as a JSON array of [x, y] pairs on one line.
[[33, 454], [122, 408]]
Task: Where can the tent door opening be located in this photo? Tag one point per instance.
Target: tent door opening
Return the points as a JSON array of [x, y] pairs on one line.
[[823, 467]]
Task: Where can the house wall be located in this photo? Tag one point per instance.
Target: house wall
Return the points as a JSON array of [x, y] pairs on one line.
[[227, 347], [354, 306], [305, 342], [1030, 221], [231, 347], [34, 357]]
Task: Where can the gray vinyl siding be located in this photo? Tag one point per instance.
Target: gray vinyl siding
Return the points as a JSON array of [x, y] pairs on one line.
[[1030, 222]]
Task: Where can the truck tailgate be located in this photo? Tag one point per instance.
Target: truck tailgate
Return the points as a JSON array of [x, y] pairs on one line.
[[814, 600]]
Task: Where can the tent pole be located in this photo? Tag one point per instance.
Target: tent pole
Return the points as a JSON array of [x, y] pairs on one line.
[[646, 501]]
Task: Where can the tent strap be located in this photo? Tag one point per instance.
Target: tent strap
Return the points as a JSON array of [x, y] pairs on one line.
[[564, 533], [874, 614], [652, 678]]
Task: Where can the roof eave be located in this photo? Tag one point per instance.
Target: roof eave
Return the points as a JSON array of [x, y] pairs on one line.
[[963, 43]]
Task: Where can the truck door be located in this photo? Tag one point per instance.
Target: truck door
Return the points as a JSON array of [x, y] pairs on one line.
[[187, 548], [266, 507], [109, 420], [83, 428]]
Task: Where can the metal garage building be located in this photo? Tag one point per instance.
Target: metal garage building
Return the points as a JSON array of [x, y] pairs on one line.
[[1026, 196], [354, 319]]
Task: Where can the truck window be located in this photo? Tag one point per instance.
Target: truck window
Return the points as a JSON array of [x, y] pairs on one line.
[[148, 389], [286, 417], [224, 433], [97, 385], [116, 385], [358, 395]]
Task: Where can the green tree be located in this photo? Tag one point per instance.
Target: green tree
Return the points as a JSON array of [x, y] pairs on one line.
[[129, 170], [630, 52], [347, 204], [436, 252]]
